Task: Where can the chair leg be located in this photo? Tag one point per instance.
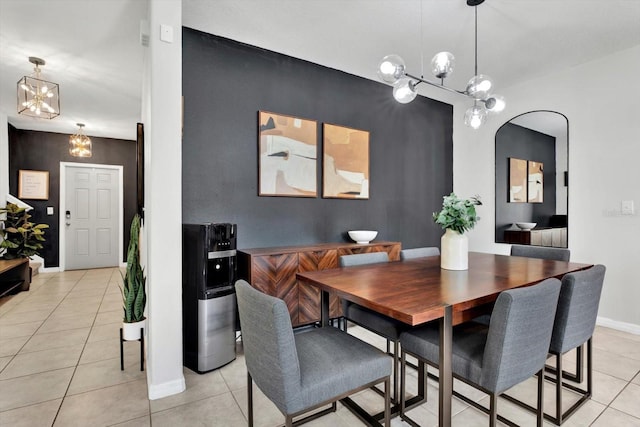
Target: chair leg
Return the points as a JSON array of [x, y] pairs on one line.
[[558, 389], [540, 409], [249, 399], [579, 358], [403, 385], [396, 359], [493, 411], [589, 367], [387, 403]]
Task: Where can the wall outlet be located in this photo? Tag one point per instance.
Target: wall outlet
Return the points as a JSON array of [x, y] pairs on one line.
[[627, 207], [49, 210]]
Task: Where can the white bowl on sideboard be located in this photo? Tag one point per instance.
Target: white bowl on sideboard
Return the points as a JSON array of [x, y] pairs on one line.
[[362, 236], [526, 225]]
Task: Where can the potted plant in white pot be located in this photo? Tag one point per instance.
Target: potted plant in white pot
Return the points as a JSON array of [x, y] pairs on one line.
[[133, 289], [456, 217]]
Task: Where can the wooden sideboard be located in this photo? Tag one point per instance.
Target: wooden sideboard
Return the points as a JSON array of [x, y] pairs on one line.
[[555, 237], [273, 271]]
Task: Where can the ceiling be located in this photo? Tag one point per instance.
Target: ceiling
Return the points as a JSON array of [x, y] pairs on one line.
[[93, 51]]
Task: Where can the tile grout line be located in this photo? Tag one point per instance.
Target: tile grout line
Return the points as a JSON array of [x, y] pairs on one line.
[[614, 399], [75, 368], [27, 341], [38, 328]]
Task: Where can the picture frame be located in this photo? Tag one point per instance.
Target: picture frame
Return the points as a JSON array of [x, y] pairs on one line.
[[535, 182], [287, 156], [140, 168], [517, 181], [345, 162], [33, 185]]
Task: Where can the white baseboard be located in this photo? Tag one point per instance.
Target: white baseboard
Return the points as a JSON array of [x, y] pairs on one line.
[[158, 391], [617, 325], [49, 270]]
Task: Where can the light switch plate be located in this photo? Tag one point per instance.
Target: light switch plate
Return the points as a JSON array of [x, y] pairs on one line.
[[627, 207], [166, 33], [49, 210]]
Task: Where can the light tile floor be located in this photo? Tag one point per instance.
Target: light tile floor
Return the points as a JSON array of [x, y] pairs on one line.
[[60, 365]]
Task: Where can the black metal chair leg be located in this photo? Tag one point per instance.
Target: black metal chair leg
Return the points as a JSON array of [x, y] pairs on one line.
[[249, 399], [493, 411], [540, 409], [403, 385], [579, 359], [387, 409], [559, 389], [589, 367], [396, 344]]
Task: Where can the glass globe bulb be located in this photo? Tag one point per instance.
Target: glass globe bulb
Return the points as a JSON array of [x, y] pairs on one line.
[[391, 68], [442, 64], [495, 104], [475, 116], [479, 87], [404, 91]]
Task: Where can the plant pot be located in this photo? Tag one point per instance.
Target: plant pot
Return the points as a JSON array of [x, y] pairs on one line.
[[455, 251], [131, 331]]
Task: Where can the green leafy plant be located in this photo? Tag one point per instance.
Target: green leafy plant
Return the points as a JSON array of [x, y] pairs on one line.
[[20, 237], [458, 214], [133, 293]]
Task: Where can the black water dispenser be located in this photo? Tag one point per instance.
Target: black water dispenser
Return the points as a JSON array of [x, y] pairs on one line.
[[208, 295]]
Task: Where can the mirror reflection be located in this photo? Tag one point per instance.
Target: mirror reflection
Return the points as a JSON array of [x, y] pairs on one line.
[[532, 180]]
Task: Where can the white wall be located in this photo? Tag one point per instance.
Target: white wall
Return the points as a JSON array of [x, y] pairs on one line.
[[601, 100], [162, 118]]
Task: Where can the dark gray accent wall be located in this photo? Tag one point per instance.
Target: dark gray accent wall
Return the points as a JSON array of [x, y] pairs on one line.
[[226, 83], [522, 143], [44, 151]]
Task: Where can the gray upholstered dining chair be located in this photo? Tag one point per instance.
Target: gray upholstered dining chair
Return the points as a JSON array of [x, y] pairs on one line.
[[418, 253], [303, 371], [495, 358], [574, 325], [541, 252], [375, 322]]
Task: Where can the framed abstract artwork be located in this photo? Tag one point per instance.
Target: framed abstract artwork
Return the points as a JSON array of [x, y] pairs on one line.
[[535, 182], [345, 162], [517, 180], [287, 156]]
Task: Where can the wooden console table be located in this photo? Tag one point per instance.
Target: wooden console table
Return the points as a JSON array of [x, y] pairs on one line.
[[273, 271], [555, 237], [15, 274]]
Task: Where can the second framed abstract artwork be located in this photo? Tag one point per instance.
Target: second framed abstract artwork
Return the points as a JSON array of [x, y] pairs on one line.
[[288, 152], [535, 182], [345, 162]]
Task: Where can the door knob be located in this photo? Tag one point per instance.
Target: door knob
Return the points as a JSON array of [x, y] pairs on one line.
[[67, 215]]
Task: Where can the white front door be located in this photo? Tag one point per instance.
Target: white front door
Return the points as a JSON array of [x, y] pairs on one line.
[[91, 217]]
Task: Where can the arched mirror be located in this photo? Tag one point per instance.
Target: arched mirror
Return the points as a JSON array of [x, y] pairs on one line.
[[532, 172]]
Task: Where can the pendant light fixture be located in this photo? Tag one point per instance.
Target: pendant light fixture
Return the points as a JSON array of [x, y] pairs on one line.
[[80, 144], [38, 97], [392, 69]]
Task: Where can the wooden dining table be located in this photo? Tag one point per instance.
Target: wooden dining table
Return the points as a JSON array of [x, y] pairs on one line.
[[419, 291]]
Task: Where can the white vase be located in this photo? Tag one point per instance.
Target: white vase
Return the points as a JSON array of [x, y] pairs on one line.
[[454, 251], [131, 331]]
